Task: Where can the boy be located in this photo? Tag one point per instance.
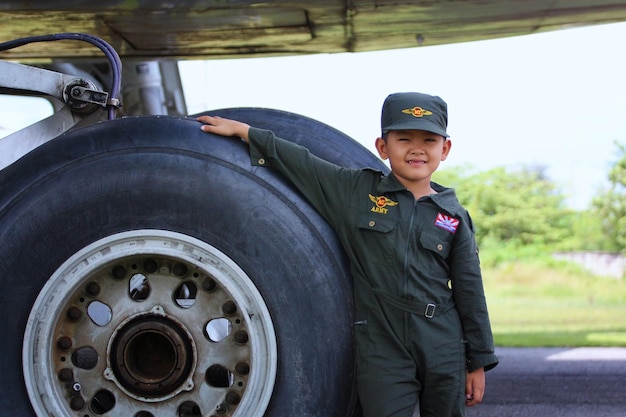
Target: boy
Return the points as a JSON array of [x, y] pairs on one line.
[[422, 329]]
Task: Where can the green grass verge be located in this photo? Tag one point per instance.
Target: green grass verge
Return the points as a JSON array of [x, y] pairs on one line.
[[534, 305]]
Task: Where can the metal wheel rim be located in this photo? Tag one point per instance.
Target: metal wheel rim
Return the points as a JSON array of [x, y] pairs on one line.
[[247, 352]]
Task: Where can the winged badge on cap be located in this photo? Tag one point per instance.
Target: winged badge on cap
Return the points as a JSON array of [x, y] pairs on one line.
[[417, 111]]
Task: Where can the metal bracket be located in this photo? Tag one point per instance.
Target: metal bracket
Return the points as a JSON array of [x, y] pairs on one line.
[[87, 95], [72, 98]]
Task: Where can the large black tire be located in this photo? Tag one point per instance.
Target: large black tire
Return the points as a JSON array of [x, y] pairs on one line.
[[122, 241]]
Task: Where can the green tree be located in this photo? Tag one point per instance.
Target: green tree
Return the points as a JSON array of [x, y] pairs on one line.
[[610, 205], [586, 234], [517, 213]]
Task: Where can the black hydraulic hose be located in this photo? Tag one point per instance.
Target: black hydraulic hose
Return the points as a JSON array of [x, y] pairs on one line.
[[107, 49]]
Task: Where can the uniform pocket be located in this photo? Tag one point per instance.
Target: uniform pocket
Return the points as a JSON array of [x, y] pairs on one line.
[[378, 239], [375, 224], [436, 244]]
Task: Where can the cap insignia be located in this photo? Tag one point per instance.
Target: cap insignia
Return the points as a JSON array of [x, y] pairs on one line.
[[417, 112]]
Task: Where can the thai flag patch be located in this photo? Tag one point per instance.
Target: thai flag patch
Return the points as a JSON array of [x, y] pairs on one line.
[[446, 222]]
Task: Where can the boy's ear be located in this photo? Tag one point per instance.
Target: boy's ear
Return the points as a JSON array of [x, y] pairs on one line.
[[381, 147], [447, 145]]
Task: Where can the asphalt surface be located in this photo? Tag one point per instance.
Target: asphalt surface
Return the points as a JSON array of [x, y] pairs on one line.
[[555, 382]]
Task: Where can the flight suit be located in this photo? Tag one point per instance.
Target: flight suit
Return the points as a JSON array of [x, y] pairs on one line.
[[421, 315]]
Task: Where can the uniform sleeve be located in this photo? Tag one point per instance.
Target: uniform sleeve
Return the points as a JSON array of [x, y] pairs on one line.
[[469, 297], [325, 185]]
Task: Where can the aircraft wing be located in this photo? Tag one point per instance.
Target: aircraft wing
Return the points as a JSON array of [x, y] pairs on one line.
[[193, 29]]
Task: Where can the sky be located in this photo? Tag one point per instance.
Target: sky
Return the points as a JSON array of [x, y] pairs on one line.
[[556, 100]]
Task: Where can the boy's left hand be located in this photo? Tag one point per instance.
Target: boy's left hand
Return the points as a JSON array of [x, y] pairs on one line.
[[224, 127], [474, 387]]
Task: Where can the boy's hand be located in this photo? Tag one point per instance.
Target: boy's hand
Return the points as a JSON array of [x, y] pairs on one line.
[[224, 127], [474, 387]]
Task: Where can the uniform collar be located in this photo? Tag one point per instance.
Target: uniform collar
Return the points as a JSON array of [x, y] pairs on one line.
[[389, 183], [445, 197]]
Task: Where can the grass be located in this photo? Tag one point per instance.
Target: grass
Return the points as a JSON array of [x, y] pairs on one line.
[[534, 305]]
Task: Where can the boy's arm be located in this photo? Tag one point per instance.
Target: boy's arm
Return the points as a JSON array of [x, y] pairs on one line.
[[325, 185], [469, 297]]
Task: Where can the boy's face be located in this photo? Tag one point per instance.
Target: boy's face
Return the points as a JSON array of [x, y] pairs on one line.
[[413, 154]]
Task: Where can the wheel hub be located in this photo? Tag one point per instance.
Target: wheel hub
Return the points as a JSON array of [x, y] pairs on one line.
[[152, 356]]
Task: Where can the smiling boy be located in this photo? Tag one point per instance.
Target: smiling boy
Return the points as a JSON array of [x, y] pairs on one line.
[[422, 328]]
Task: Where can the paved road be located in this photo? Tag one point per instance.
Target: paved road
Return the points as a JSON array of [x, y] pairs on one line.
[[556, 382]]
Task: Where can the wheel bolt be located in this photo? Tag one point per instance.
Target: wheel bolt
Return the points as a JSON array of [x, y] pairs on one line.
[[242, 368], [77, 403], [93, 289], [64, 343], [241, 336], [74, 313], [150, 266], [208, 284], [180, 269], [119, 271], [66, 375], [229, 307], [232, 398]]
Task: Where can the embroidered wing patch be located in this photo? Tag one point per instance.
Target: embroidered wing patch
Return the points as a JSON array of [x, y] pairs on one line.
[[446, 222], [382, 201]]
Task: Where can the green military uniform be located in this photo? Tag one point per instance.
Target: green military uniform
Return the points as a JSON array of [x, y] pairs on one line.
[[421, 313]]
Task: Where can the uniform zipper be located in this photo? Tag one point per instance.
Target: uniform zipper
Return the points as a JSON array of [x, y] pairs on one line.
[[407, 251], [407, 247]]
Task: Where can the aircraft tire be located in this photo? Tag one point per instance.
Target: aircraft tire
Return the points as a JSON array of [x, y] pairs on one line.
[[149, 270]]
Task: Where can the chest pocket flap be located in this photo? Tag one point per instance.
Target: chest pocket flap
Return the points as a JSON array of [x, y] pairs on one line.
[[436, 243], [377, 225]]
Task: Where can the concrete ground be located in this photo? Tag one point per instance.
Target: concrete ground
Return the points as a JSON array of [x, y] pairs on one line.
[[556, 382]]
